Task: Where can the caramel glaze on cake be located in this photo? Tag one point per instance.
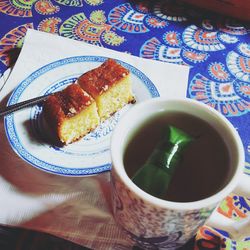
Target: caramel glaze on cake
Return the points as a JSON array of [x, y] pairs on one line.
[[68, 102], [99, 80], [61, 110]]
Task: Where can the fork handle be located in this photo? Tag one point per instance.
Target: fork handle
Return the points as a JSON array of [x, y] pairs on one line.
[[15, 107]]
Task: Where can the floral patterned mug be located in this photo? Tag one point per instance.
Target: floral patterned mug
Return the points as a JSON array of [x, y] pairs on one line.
[[156, 223]]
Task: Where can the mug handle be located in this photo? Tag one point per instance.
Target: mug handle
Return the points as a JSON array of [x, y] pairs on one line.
[[218, 220], [243, 187]]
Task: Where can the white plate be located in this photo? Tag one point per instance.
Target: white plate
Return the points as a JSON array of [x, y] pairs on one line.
[[27, 134]]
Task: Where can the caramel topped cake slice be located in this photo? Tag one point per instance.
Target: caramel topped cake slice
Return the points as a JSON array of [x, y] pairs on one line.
[[71, 113], [109, 85], [78, 109]]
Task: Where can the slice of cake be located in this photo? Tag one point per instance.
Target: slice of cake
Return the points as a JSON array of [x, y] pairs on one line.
[[109, 85], [75, 111], [71, 113]]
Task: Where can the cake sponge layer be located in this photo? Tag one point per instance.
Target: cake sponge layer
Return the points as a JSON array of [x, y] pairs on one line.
[[115, 98], [79, 125]]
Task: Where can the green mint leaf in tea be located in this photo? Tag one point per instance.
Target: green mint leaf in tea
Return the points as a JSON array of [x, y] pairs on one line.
[[155, 175]]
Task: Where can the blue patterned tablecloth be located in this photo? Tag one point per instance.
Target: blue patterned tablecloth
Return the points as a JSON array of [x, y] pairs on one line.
[[216, 48]]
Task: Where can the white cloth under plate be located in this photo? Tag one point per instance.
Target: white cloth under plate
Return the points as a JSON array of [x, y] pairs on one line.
[[75, 208]]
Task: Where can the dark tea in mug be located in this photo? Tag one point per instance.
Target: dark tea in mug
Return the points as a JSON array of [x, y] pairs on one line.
[[204, 168]]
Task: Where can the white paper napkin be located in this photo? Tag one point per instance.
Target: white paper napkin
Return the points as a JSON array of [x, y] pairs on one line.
[[75, 208]]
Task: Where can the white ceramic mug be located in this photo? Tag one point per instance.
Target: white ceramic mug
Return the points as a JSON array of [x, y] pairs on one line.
[[153, 222]]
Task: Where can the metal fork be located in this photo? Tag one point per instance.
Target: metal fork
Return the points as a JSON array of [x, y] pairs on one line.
[[12, 108]]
